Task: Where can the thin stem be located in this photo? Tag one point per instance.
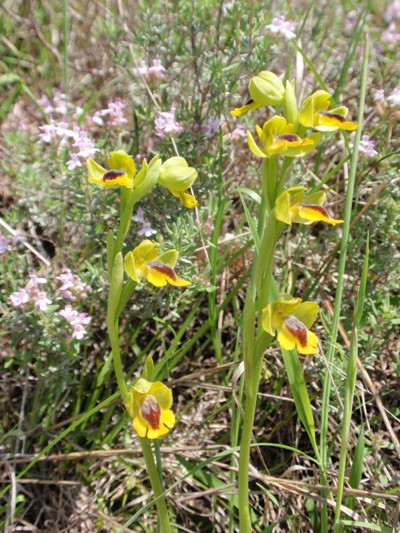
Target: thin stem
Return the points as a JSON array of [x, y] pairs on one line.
[[116, 354], [65, 48], [156, 485], [340, 282]]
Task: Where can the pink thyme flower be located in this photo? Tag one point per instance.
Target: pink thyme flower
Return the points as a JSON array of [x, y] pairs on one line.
[[392, 11], [83, 148], [166, 124], [157, 71], [394, 98], [143, 69], [72, 286], [280, 25], [4, 247], [367, 146], [111, 115], [391, 35], [146, 230], [211, 127], [379, 96], [19, 298], [77, 320], [32, 294]]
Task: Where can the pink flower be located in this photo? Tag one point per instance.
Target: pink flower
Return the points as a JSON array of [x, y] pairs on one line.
[[166, 124], [157, 71], [40, 300], [4, 244], [111, 115], [77, 320], [146, 230], [72, 286], [19, 298], [280, 25], [367, 146], [391, 35], [142, 70], [379, 96], [394, 98], [392, 11], [211, 127]]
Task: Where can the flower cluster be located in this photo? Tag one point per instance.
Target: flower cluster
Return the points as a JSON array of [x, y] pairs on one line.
[[288, 318], [77, 320], [174, 174], [72, 288], [32, 294], [155, 72], [281, 26], [166, 125]]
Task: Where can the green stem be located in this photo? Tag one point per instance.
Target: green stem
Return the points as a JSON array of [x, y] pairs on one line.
[[251, 386], [340, 284], [156, 485], [65, 47], [116, 354]]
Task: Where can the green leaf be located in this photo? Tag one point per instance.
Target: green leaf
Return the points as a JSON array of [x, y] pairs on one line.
[[110, 252], [117, 277], [300, 394], [250, 223]]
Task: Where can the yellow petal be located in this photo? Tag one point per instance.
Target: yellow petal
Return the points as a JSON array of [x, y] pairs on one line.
[[120, 160], [309, 213], [240, 111], [253, 146], [140, 426]]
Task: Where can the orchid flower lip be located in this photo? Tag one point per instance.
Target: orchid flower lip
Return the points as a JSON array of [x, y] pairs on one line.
[[297, 329], [318, 208], [163, 269], [113, 174], [338, 117], [289, 137], [151, 411]]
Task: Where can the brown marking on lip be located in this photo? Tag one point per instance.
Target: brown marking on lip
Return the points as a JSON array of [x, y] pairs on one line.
[[333, 115], [297, 329], [163, 269], [249, 102], [113, 174], [289, 137], [151, 412], [316, 207]]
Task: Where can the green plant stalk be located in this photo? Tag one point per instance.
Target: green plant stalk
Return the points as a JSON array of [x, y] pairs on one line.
[[348, 409], [254, 347], [340, 283], [156, 485]]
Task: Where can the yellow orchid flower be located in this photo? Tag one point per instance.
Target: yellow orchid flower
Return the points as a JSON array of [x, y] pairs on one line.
[[146, 262], [291, 319], [177, 176], [148, 404], [294, 205], [278, 138], [314, 114], [265, 89], [121, 174]]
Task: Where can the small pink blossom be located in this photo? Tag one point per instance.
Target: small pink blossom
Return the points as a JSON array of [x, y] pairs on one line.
[[142, 70], [111, 115], [237, 133], [77, 320], [166, 125], [72, 286], [391, 35], [40, 300], [157, 71], [367, 146], [394, 98], [280, 25], [83, 147], [146, 230], [19, 298], [379, 96], [211, 127], [4, 247], [392, 11]]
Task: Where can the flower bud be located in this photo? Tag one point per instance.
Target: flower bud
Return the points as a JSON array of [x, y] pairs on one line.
[[266, 89]]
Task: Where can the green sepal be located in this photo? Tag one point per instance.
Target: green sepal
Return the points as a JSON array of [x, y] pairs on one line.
[[290, 105], [148, 180], [148, 369]]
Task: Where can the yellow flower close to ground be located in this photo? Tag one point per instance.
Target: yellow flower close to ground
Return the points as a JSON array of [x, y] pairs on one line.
[[294, 205], [122, 171], [291, 319], [314, 114], [146, 262], [278, 138], [148, 404]]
